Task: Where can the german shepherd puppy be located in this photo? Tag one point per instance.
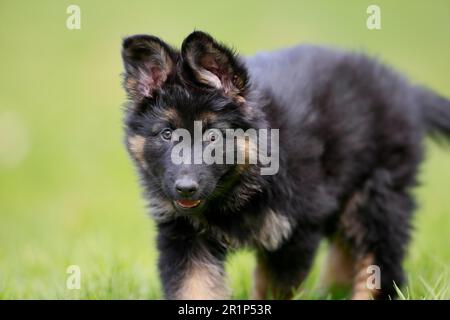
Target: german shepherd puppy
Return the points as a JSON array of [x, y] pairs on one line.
[[350, 142]]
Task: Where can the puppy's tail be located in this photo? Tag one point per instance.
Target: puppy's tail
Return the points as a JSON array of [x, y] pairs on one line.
[[436, 114]]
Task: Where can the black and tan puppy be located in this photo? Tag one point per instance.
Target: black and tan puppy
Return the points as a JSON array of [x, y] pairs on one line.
[[350, 142]]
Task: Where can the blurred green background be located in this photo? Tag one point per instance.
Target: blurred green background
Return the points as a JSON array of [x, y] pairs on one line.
[[68, 192]]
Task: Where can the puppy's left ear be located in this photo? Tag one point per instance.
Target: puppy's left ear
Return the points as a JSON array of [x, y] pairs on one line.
[[214, 65]]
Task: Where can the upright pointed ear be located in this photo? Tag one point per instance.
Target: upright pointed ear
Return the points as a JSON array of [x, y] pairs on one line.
[[148, 63], [214, 65]]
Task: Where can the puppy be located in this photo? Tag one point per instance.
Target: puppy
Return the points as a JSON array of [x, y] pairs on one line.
[[349, 142]]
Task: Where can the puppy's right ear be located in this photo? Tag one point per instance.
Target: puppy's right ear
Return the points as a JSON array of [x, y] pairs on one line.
[[148, 63]]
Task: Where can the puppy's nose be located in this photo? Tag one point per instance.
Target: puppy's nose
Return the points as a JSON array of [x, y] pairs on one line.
[[186, 187]]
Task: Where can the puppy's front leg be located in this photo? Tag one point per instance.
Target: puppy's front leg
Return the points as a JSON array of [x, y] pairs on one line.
[[191, 266]]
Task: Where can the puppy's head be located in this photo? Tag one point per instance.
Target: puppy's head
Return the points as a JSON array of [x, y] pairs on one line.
[[184, 95]]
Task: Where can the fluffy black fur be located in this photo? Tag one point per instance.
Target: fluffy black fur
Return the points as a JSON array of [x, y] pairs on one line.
[[351, 132]]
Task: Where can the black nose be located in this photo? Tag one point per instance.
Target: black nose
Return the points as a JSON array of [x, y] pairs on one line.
[[186, 187]]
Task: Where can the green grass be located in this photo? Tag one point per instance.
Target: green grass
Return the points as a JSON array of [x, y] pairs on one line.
[[68, 193]]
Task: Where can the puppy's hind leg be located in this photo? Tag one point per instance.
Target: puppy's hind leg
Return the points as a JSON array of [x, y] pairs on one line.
[[376, 226]]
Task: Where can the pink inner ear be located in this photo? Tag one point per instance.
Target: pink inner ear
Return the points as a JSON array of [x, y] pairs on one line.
[[209, 63], [151, 79], [158, 76]]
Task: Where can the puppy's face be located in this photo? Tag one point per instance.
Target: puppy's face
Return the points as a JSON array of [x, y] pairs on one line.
[[190, 97]]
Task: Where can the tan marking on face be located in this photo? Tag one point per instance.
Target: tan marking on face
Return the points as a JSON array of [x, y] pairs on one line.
[[240, 100], [208, 117], [251, 151], [172, 116], [136, 146], [338, 267], [203, 281], [247, 148], [360, 289]]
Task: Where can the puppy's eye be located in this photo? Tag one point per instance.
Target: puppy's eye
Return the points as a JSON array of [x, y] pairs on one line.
[[212, 135], [166, 134]]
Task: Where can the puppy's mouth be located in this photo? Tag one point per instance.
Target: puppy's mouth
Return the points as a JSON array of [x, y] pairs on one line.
[[187, 204]]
